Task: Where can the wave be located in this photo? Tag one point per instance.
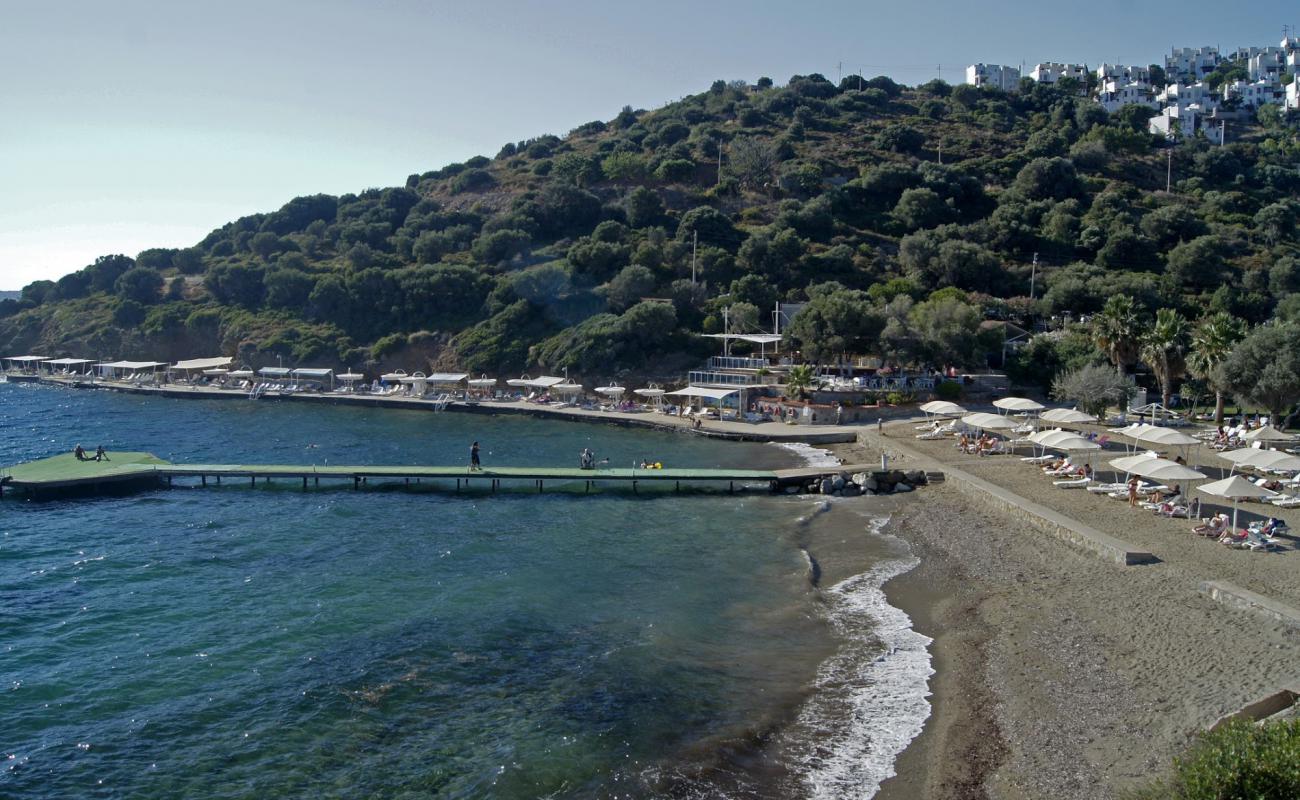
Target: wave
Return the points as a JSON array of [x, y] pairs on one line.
[[811, 456], [871, 697]]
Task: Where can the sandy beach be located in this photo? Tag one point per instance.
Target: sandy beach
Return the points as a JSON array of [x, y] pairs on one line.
[[1061, 675]]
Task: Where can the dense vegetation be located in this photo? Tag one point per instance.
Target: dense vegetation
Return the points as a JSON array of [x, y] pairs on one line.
[[904, 217]]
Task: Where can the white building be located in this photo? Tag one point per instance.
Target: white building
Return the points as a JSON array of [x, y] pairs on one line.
[[1123, 73], [1254, 94], [1174, 122], [993, 75], [1115, 94], [1191, 63], [1267, 62], [1051, 72], [1293, 96], [1182, 95]]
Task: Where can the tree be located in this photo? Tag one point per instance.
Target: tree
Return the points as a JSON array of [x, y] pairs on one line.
[[643, 207], [799, 380], [835, 323], [629, 286], [1264, 368], [1198, 264], [712, 225], [288, 288], [1212, 343], [1276, 222], [948, 332], [624, 167], [1164, 349], [1047, 179], [1092, 387], [141, 284], [900, 138], [921, 208], [752, 161], [1117, 332]]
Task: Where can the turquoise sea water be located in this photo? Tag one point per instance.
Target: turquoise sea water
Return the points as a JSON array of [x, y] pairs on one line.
[[229, 642]]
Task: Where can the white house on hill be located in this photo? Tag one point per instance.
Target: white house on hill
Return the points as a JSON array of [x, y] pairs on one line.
[[1191, 63], [1115, 94], [1051, 72], [993, 75]]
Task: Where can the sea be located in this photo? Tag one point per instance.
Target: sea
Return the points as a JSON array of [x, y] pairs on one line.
[[412, 641]]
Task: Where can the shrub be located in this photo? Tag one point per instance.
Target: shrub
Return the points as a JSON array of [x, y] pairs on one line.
[[948, 390], [1239, 760]]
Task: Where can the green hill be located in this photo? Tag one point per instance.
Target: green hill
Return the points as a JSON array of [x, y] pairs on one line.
[[866, 198]]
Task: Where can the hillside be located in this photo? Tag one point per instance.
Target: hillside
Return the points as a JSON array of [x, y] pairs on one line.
[[866, 198]]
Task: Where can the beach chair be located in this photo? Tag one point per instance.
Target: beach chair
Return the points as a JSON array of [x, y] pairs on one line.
[[1213, 527], [1073, 483], [1038, 459]]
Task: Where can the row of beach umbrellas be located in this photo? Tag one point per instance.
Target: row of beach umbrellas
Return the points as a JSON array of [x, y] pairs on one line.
[[1146, 465]]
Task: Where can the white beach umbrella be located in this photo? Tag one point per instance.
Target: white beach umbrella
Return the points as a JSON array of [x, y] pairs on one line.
[[611, 391], [1165, 436], [481, 382], [942, 408], [1262, 459], [990, 422], [348, 376], [1159, 469], [1268, 433], [1235, 488], [1072, 444], [1018, 404], [522, 380], [650, 392], [1066, 416]]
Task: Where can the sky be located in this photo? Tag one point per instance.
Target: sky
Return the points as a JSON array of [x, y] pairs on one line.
[[129, 125]]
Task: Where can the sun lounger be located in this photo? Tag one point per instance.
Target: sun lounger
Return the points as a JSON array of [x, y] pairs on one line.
[[1038, 459], [1107, 488], [1214, 526], [1074, 483]]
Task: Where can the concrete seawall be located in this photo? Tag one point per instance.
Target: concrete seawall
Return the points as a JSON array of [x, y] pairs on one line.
[[1085, 537]]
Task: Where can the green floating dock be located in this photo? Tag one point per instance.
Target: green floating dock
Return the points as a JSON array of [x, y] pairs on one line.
[[66, 473]]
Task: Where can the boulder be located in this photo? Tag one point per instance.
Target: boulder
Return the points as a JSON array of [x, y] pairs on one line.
[[870, 484], [852, 490], [828, 486], [915, 477], [902, 487], [838, 482], [792, 490], [861, 478]]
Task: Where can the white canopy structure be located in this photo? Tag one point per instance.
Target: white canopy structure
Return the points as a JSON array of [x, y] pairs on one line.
[[242, 372], [66, 362], [653, 393], [314, 374], [568, 391], [1071, 443], [482, 382], [1267, 433], [540, 382], [1235, 488], [395, 376], [274, 372], [1166, 436], [202, 363], [1018, 404], [131, 365], [26, 359], [990, 422], [942, 408], [703, 391], [1066, 416], [216, 373], [348, 377]]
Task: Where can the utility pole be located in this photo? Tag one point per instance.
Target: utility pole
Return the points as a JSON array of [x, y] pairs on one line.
[[1033, 275], [695, 243], [1169, 171]]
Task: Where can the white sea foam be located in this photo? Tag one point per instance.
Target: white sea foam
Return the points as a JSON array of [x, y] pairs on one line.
[[872, 695], [811, 456]]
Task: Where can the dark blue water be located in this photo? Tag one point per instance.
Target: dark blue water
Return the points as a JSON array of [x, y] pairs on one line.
[[231, 642]]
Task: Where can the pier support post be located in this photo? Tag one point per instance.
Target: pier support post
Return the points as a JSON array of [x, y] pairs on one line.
[[169, 481], [677, 486], [731, 487], [304, 483], [204, 479], [318, 480], [356, 482], [633, 487], [458, 484], [588, 487], [218, 480]]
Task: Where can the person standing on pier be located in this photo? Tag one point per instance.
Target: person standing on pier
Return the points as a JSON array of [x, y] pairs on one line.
[[473, 457]]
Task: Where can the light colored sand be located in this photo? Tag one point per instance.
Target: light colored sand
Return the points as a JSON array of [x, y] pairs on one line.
[[1275, 575], [1061, 675]]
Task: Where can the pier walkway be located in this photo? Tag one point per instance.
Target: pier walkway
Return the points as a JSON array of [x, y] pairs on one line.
[[64, 473]]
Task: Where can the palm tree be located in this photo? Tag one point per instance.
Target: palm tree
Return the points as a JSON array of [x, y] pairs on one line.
[[799, 380], [1117, 330], [1212, 341], [1164, 348]]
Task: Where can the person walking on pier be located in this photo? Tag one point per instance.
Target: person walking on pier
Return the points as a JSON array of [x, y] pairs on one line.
[[473, 457]]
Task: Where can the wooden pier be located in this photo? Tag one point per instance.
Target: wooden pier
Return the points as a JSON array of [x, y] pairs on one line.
[[65, 474]]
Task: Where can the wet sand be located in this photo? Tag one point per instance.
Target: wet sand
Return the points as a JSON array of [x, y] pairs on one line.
[[1059, 675]]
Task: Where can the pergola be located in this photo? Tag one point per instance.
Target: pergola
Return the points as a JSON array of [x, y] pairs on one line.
[[201, 365], [705, 393], [110, 369]]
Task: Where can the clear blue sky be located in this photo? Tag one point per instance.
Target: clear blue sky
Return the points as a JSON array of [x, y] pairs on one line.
[[128, 125]]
